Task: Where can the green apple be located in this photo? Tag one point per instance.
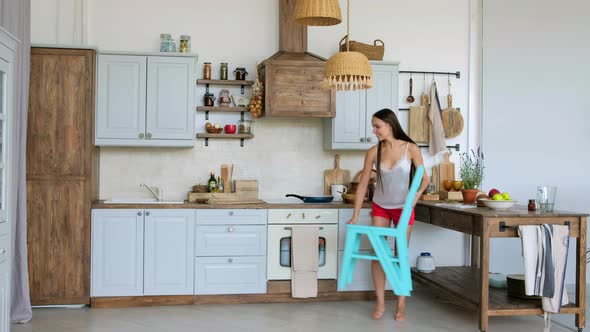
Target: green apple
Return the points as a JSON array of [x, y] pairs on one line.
[[497, 197], [505, 196]]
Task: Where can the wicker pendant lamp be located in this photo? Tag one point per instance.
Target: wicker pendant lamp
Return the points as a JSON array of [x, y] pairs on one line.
[[317, 12], [348, 70]]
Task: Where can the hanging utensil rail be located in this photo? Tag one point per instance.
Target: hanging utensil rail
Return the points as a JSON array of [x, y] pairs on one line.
[[457, 146], [457, 73], [502, 226]]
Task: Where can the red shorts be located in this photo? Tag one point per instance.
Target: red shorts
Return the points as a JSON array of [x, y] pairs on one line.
[[390, 214]]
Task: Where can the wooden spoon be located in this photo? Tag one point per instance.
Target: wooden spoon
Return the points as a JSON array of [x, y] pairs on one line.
[[410, 98]]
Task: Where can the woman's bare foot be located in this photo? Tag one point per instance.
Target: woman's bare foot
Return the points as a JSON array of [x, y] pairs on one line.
[[379, 310], [400, 314]]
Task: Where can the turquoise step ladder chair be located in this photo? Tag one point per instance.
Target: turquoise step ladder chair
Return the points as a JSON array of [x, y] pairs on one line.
[[396, 268]]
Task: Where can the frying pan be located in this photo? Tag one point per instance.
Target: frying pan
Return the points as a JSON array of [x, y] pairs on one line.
[[313, 199]]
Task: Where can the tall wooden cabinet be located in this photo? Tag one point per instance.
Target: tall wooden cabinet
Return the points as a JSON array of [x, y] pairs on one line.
[[62, 174]]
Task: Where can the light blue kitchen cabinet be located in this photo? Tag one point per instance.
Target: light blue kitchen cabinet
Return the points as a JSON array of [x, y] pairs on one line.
[[117, 252], [230, 255], [145, 100], [169, 249], [362, 278], [142, 252], [351, 128]]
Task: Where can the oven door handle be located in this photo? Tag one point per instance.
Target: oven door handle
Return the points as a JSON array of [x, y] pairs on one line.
[[289, 228]]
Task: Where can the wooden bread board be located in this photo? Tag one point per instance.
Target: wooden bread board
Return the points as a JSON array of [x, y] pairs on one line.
[[446, 171], [450, 195], [419, 125], [335, 176], [430, 197], [221, 198], [247, 188]]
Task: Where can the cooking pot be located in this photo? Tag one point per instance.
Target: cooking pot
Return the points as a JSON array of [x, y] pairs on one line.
[[313, 199]]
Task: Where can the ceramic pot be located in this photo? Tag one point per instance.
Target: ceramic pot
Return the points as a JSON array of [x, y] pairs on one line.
[[469, 195]]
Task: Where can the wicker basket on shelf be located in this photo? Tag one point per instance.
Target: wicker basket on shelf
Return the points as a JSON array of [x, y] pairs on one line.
[[372, 52]]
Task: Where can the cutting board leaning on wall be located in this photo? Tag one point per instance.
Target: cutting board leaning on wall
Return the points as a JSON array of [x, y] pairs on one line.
[[335, 176], [419, 125]]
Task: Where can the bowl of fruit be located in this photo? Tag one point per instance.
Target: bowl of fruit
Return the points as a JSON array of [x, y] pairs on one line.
[[213, 128], [498, 200]]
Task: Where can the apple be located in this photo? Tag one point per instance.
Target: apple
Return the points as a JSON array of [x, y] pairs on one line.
[[217, 126], [493, 192], [505, 196], [498, 197]]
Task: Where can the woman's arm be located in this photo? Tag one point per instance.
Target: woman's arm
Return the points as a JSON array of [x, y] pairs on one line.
[[361, 190], [416, 156]]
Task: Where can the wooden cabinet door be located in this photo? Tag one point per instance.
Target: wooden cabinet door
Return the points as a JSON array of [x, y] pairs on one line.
[[169, 248], [121, 97], [117, 252], [61, 89], [382, 95], [170, 98], [58, 242]]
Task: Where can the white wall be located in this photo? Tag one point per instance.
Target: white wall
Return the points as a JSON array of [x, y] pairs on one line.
[[536, 115], [286, 155]]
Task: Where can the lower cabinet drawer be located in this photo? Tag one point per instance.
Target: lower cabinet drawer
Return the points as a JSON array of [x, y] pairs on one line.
[[230, 275], [230, 240]]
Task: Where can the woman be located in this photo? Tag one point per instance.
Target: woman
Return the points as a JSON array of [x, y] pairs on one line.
[[395, 158]]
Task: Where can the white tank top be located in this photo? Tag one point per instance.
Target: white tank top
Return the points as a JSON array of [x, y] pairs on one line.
[[396, 181]]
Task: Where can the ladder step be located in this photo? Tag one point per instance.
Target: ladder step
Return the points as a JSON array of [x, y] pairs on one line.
[[373, 257]]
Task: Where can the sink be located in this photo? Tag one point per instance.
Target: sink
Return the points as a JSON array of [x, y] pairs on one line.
[[140, 201]]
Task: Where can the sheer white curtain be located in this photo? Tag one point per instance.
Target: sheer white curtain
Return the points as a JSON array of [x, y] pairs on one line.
[[15, 17]]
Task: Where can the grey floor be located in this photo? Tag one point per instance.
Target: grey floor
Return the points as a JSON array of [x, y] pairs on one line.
[[425, 313]]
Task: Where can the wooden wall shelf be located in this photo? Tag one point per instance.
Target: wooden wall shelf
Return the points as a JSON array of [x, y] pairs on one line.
[[241, 137], [225, 82], [221, 109]]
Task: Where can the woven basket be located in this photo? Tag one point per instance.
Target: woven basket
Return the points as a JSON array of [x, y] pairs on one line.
[[372, 52]]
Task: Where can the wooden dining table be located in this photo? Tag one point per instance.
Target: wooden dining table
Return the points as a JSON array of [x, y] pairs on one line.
[[469, 285]]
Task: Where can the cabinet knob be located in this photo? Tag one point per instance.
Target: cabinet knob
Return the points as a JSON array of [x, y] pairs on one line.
[[230, 260], [139, 213], [318, 216], [149, 135], [303, 215], [140, 135], [369, 139], [288, 216], [231, 213], [147, 213], [363, 139], [230, 229], [2, 252]]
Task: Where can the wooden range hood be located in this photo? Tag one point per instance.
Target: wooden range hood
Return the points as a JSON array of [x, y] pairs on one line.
[[292, 76]]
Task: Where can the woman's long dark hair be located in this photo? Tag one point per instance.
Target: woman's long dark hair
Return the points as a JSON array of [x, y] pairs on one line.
[[388, 116]]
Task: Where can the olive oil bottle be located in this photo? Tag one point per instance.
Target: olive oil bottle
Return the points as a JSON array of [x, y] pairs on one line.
[[212, 184]]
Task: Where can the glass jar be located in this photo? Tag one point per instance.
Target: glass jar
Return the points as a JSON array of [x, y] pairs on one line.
[[532, 205], [240, 73], [245, 126], [184, 45], [164, 42], [207, 71], [208, 99], [223, 71]]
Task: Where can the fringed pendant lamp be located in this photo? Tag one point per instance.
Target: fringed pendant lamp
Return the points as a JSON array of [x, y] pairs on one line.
[[348, 70], [317, 12]]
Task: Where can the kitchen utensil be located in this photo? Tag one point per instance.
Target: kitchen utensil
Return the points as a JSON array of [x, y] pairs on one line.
[[418, 124], [451, 118], [425, 263], [312, 199], [337, 191], [410, 98], [335, 176]]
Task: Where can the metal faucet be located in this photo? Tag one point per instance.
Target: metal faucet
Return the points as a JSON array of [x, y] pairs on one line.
[[157, 192]]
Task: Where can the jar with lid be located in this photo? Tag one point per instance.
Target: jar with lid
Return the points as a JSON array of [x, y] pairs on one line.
[[245, 126], [223, 71], [184, 45], [167, 43], [209, 99], [240, 73], [207, 70], [532, 205]]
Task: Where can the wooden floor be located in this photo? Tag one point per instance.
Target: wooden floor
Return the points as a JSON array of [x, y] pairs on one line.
[[461, 282]]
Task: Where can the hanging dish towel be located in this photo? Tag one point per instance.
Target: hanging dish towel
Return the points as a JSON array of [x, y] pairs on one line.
[[437, 141], [544, 249], [304, 261]]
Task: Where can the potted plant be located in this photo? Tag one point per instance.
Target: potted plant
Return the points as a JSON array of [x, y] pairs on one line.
[[471, 172]]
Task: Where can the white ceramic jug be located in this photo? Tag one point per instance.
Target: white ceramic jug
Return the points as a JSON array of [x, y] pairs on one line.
[[425, 263]]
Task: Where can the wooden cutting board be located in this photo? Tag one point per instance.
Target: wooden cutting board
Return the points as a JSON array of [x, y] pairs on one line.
[[335, 176], [419, 125], [446, 171], [452, 119]]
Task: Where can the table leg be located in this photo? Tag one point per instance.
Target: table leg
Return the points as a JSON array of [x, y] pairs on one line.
[[474, 250], [484, 256], [581, 275]]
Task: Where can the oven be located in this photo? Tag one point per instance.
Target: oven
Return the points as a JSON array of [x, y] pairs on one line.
[[280, 223]]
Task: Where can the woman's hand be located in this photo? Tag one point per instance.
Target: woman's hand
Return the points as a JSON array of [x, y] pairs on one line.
[[352, 220]]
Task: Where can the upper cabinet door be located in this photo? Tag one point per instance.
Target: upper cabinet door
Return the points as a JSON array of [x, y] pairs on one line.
[[349, 123], [170, 98], [121, 97], [382, 95]]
